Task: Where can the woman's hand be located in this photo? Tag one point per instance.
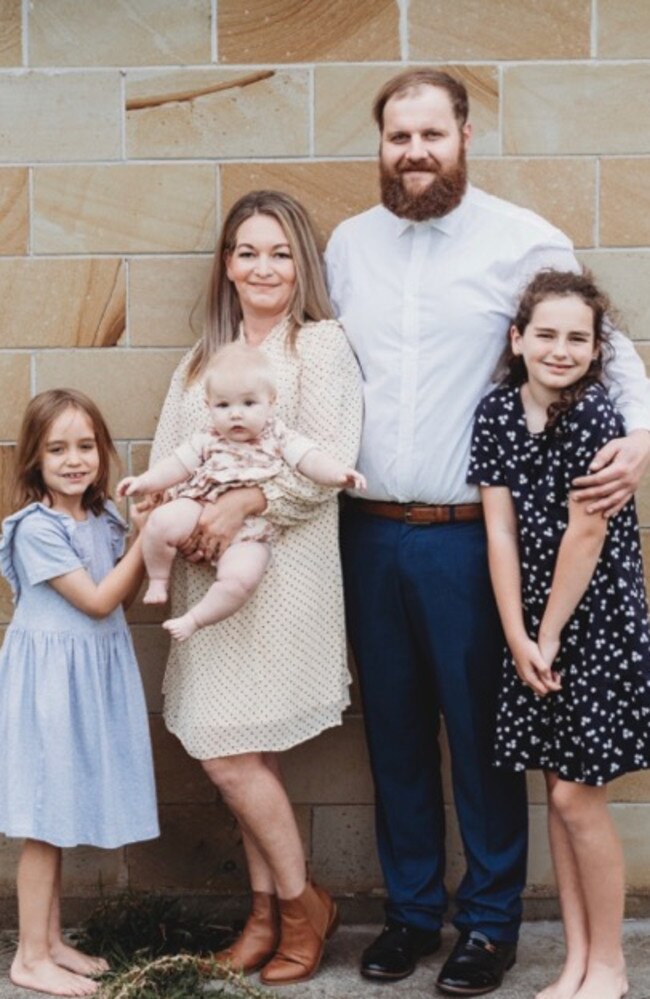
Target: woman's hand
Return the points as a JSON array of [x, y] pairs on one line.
[[615, 474], [533, 669], [220, 521]]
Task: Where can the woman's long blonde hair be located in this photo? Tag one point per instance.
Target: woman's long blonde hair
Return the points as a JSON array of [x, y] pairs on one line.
[[223, 312]]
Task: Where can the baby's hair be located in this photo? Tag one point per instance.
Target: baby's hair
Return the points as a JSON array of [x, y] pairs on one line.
[[235, 358], [39, 416], [550, 283]]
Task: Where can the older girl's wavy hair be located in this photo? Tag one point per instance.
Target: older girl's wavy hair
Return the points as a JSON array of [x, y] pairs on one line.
[[223, 313], [549, 283], [42, 411]]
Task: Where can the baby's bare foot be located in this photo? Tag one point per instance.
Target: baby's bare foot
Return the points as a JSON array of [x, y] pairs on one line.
[[75, 960], [46, 976], [156, 592], [181, 628]]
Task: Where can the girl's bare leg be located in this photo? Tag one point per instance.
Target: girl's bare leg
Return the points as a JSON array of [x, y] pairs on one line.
[[253, 790], [61, 951], [239, 572], [572, 904], [33, 966], [167, 527], [599, 858]]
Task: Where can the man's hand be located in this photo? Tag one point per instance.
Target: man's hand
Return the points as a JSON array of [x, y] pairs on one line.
[[533, 669], [616, 472], [220, 521]]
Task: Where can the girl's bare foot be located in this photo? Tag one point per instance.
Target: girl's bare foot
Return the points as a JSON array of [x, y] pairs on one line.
[[566, 984], [603, 982], [156, 592], [46, 976], [75, 960], [181, 628]]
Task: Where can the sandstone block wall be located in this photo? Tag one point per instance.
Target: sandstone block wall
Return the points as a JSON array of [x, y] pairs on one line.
[[126, 131]]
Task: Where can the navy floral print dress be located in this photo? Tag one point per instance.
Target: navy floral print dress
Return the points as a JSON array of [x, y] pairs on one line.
[[597, 726]]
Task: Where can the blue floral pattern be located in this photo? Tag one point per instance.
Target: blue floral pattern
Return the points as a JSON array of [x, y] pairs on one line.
[[597, 727]]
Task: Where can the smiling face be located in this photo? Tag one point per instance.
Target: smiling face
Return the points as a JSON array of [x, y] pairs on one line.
[[558, 344], [422, 154], [262, 269], [69, 459], [240, 406]]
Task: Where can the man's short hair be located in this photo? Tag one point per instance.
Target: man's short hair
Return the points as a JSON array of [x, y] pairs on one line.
[[412, 79]]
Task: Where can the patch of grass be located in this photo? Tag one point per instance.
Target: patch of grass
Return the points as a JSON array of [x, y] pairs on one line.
[[157, 950], [180, 976]]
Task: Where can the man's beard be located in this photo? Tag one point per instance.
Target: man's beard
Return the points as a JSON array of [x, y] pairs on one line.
[[441, 196]]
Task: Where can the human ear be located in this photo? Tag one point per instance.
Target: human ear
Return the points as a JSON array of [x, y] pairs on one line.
[[515, 341], [467, 134]]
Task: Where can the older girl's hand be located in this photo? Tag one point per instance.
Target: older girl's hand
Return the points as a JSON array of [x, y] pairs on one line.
[[220, 521], [139, 512], [533, 669]]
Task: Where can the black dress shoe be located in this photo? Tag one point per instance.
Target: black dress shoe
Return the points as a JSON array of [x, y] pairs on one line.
[[476, 965], [395, 952]]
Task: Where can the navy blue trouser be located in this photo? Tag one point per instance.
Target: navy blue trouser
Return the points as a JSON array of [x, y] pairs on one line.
[[426, 636]]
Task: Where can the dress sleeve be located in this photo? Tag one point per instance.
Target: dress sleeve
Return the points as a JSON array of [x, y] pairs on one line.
[[591, 424], [294, 446], [486, 460], [45, 548], [330, 414], [117, 530], [191, 453]]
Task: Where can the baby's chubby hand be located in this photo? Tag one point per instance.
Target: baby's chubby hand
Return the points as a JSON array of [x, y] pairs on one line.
[[128, 486], [351, 479]]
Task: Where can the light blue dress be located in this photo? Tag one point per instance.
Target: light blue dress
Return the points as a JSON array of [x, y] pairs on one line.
[[75, 755]]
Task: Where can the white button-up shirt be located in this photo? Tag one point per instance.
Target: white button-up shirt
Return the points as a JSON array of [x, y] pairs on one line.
[[427, 307]]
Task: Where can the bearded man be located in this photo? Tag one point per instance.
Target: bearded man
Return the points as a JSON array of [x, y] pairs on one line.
[[426, 286]]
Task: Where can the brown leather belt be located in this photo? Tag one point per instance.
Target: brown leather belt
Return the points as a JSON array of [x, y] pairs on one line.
[[418, 513]]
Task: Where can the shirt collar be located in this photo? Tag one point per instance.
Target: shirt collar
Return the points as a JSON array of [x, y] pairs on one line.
[[448, 223]]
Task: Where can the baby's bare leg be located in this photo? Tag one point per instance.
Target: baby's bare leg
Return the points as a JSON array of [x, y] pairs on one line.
[[239, 573], [167, 527]]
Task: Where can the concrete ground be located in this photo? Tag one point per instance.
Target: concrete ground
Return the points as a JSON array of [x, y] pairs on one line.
[[540, 955]]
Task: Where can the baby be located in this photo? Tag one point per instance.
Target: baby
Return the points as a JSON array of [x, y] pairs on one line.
[[246, 445]]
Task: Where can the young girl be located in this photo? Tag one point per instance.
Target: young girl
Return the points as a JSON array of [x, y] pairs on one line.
[[569, 585], [75, 759], [246, 445]]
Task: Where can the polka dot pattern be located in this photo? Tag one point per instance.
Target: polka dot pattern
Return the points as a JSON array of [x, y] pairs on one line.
[[274, 674], [597, 727]]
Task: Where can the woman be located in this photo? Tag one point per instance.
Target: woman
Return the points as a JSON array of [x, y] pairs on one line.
[[275, 673]]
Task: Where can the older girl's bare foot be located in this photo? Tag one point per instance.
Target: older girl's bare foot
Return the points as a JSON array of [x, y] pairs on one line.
[[181, 628], [75, 960], [46, 976], [603, 982], [156, 592], [560, 989]]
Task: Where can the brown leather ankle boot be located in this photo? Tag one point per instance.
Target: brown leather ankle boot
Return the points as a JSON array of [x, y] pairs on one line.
[[306, 922], [258, 941]]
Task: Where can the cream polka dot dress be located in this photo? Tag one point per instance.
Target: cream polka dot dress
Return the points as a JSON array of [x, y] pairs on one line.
[[275, 673]]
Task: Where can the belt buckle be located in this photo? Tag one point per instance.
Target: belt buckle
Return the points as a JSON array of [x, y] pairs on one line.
[[408, 514]]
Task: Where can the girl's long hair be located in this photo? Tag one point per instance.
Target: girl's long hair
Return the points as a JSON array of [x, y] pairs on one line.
[[223, 312], [549, 283], [39, 416]]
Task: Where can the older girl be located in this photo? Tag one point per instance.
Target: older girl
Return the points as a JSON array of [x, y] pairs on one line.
[[569, 585]]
